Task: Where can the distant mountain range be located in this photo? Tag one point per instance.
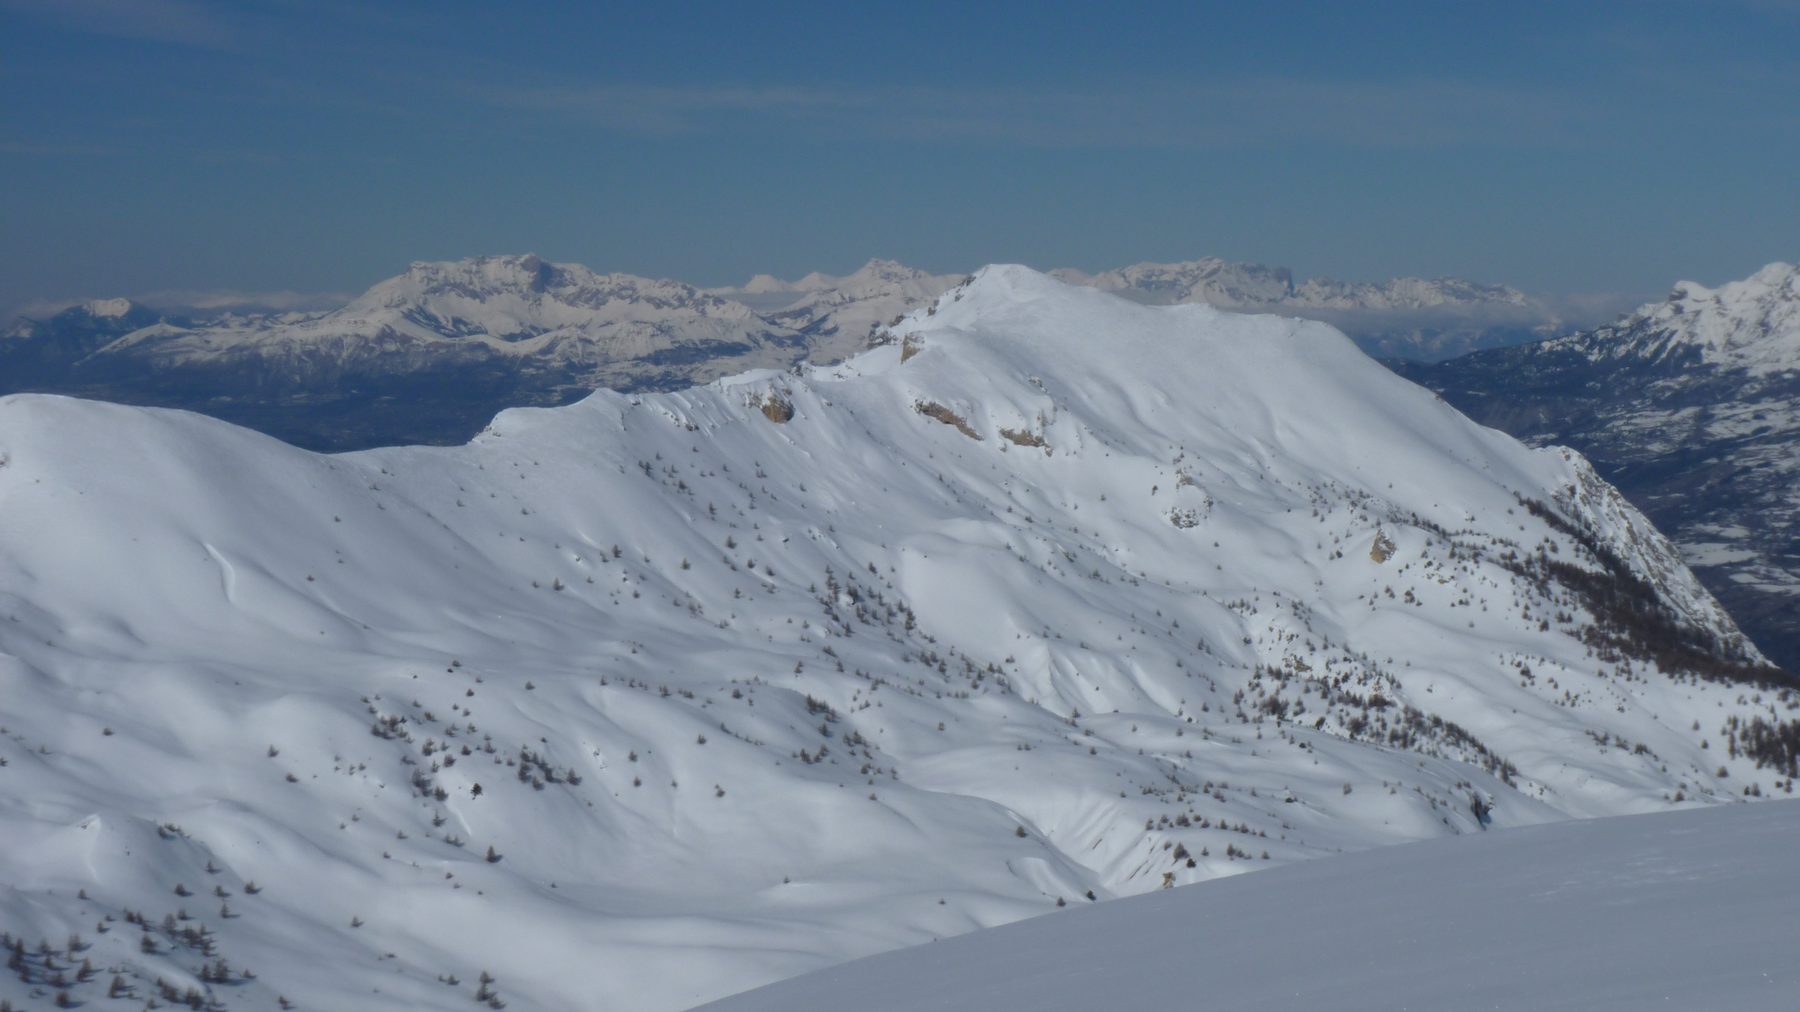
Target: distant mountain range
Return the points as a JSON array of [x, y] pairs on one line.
[[838, 316], [431, 355], [1406, 318], [1691, 406]]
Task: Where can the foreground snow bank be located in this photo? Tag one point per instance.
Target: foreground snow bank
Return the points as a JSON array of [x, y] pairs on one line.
[[1681, 910]]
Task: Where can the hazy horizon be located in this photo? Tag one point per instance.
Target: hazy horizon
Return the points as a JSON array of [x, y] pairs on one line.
[[180, 145]]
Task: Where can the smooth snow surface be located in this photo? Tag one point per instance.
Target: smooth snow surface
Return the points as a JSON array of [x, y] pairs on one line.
[[1684, 910], [1054, 594]]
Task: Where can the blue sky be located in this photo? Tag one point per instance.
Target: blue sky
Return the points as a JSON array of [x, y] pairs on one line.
[[177, 145]]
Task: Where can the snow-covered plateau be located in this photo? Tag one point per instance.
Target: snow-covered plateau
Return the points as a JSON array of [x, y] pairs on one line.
[[640, 702]]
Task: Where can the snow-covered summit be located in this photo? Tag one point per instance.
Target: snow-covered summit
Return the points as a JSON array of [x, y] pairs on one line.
[[1751, 324], [108, 307], [1053, 598]]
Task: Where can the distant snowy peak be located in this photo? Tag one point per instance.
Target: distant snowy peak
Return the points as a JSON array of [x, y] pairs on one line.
[[877, 272], [94, 313], [1231, 285], [507, 297], [1692, 406], [108, 308], [839, 315], [565, 323], [1752, 324], [1407, 293], [1210, 280], [74, 331]]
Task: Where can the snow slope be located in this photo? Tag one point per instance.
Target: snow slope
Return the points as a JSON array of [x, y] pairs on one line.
[[1053, 595], [1683, 910]]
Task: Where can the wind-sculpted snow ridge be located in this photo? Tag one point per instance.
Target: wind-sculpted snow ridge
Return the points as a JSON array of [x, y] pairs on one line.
[[1678, 910], [646, 700]]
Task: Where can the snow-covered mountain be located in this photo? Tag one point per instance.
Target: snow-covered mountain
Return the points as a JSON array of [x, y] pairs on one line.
[[29, 346], [653, 698], [1692, 407], [1753, 325], [1405, 318], [838, 316], [1209, 280], [588, 329], [1680, 909], [431, 355]]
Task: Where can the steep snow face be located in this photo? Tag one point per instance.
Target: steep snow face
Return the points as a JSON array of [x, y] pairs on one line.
[[1687, 910], [650, 699]]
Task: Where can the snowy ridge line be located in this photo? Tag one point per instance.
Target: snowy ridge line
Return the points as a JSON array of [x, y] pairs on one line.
[[657, 697]]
